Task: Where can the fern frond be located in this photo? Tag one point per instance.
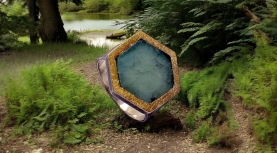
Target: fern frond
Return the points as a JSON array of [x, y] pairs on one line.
[[192, 29], [192, 42], [254, 27], [235, 24], [197, 12], [208, 27], [219, 1], [192, 24], [220, 54], [240, 41]]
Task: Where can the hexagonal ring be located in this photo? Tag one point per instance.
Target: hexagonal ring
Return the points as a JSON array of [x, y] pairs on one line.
[[140, 75]]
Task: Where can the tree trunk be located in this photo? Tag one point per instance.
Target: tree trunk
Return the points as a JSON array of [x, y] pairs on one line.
[[256, 20], [51, 29], [139, 5], [33, 15]]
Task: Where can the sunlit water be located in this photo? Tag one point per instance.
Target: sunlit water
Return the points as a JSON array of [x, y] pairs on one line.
[[102, 41], [93, 21], [91, 25]]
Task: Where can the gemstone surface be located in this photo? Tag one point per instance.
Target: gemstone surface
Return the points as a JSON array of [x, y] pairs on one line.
[[145, 71]]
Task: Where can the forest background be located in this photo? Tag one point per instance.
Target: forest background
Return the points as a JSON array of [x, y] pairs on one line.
[[233, 51]]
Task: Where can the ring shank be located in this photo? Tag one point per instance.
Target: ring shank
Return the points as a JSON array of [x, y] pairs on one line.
[[126, 108]]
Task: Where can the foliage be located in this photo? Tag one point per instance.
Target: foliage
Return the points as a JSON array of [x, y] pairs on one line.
[[113, 6], [69, 7], [257, 86], [225, 34], [203, 27], [14, 22], [8, 41], [123, 6], [77, 2], [202, 132], [216, 33], [95, 5], [255, 81], [14, 18], [29, 55], [74, 36], [204, 90], [190, 120], [270, 21], [225, 39], [222, 136], [16, 8], [161, 20], [52, 97], [216, 135]]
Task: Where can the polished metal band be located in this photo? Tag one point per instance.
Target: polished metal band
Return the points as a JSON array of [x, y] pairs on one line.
[[125, 106]]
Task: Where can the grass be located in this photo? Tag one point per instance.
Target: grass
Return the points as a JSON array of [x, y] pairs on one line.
[[24, 57], [35, 71], [26, 40]]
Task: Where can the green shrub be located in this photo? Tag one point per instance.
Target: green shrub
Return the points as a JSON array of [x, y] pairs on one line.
[[51, 96], [9, 30], [69, 7], [202, 132], [74, 36], [190, 120], [8, 41], [204, 90], [216, 135], [16, 8], [258, 88], [253, 78], [222, 136], [95, 6]]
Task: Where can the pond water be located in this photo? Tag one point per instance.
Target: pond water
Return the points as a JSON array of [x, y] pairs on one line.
[[101, 41], [94, 21]]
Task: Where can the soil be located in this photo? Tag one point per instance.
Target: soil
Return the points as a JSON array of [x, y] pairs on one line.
[[165, 140]]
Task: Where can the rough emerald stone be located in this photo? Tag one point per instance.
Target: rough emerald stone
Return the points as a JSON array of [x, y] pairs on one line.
[[145, 71]]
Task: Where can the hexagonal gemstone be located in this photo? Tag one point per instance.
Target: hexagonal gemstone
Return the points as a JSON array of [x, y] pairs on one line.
[[145, 71]]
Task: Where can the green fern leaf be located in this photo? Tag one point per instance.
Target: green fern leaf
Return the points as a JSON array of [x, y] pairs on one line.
[[197, 12], [208, 27], [192, 29], [192, 24], [193, 41], [222, 53], [241, 41], [82, 115], [74, 121]]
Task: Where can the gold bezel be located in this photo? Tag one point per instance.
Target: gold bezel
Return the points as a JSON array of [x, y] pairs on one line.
[[148, 107]]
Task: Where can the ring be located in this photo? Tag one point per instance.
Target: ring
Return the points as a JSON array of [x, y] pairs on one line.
[[140, 75]]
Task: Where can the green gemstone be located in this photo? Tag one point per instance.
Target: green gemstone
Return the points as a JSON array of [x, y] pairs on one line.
[[145, 71]]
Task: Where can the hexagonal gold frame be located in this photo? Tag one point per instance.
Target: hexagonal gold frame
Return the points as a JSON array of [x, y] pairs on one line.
[[148, 107]]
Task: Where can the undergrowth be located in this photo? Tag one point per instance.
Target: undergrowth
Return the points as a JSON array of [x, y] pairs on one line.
[[253, 79], [204, 90], [12, 62], [258, 89], [52, 97], [205, 93]]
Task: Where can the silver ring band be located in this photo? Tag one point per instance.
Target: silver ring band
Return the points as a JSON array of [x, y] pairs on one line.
[[125, 107]]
